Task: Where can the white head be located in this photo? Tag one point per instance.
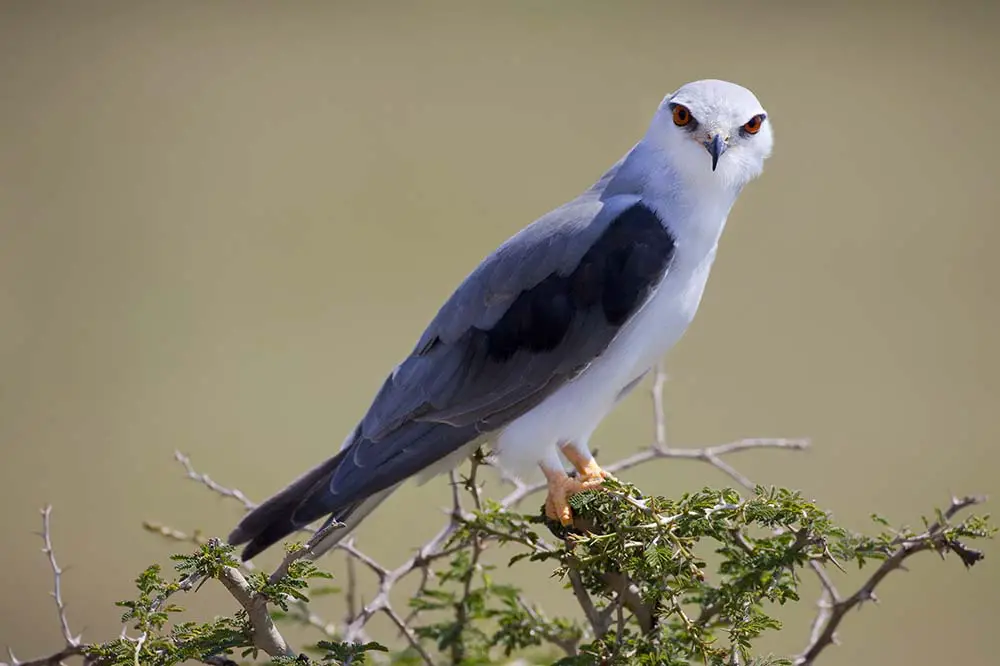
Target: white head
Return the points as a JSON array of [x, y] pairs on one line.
[[713, 133]]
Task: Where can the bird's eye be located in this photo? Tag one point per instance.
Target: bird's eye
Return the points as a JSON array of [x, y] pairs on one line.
[[753, 125], [682, 116]]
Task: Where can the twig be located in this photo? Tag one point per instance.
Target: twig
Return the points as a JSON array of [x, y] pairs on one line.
[[303, 614], [620, 588], [569, 645], [173, 534], [461, 614], [52, 660], [184, 585], [71, 640], [73, 644], [712, 455], [411, 638], [233, 493], [387, 578], [832, 614], [351, 593], [299, 553], [386, 581], [659, 418]]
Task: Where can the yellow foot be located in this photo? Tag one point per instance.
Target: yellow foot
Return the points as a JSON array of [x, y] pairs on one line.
[[585, 465], [589, 476]]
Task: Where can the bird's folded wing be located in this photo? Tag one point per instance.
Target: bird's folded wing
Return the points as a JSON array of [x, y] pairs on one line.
[[528, 319]]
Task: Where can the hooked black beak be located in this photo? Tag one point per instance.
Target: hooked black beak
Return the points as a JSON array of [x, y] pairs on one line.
[[715, 147]]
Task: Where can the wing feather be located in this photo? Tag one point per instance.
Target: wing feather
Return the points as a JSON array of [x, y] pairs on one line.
[[562, 288]]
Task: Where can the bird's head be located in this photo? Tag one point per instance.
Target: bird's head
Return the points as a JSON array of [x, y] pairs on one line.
[[713, 130]]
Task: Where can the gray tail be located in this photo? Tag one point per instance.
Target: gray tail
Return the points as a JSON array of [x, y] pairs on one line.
[[348, 486], [304, 500]]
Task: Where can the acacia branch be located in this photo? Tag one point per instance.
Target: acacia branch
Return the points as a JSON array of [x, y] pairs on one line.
[[713, 455], [833, 609], [625, 597], [71, 640], [74, 645], [461, 608], [203, 479], [54, 659], [598, 623], [433, 549], [265, 635]]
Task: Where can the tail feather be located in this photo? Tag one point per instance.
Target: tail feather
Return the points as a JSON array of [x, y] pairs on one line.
[[300, 503], [351, 484]]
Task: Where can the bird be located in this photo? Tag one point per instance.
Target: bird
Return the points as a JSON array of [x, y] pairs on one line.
[[542, 340]]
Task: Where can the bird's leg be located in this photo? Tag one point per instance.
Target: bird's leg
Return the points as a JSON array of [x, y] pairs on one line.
[[561, 486], [586, 467]]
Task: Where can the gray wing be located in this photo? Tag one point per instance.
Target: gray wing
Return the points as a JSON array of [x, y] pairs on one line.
[[509, 332], [533, 315]]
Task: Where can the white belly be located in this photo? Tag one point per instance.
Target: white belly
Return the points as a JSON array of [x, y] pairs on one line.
[[573, 412]]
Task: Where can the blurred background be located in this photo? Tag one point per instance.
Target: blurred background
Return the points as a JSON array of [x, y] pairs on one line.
[[222, 224]]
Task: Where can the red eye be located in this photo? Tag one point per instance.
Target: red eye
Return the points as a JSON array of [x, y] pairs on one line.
[[682, 116], [753, 125]]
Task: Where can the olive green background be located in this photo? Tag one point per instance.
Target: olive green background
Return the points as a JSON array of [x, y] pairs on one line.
[[221, 224]]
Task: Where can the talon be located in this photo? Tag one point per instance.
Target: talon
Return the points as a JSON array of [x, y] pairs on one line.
[[561, 487]]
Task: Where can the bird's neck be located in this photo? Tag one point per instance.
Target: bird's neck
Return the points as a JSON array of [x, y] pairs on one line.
[[693, 206]]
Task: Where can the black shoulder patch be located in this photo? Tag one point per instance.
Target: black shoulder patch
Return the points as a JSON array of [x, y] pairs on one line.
[[613, 279]]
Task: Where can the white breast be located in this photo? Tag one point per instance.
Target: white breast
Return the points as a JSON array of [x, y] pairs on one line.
[[573, 412]]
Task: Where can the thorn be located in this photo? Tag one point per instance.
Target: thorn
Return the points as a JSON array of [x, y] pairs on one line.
[[869, 596], [826, 551]]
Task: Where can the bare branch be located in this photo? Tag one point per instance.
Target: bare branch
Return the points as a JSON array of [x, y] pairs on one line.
[[173, 534], [71, 640], [832, 613], [232, 493], [659, 417], [598, 624], [299, 610], [472, 486], [387, 578], [712, 455], [569, 645], [51, 660], [73, 644], [265, 635], [381, 601], [351, 593], [411, 638]]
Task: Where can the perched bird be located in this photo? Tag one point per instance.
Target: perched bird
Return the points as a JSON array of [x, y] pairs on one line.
[[540, 342]]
